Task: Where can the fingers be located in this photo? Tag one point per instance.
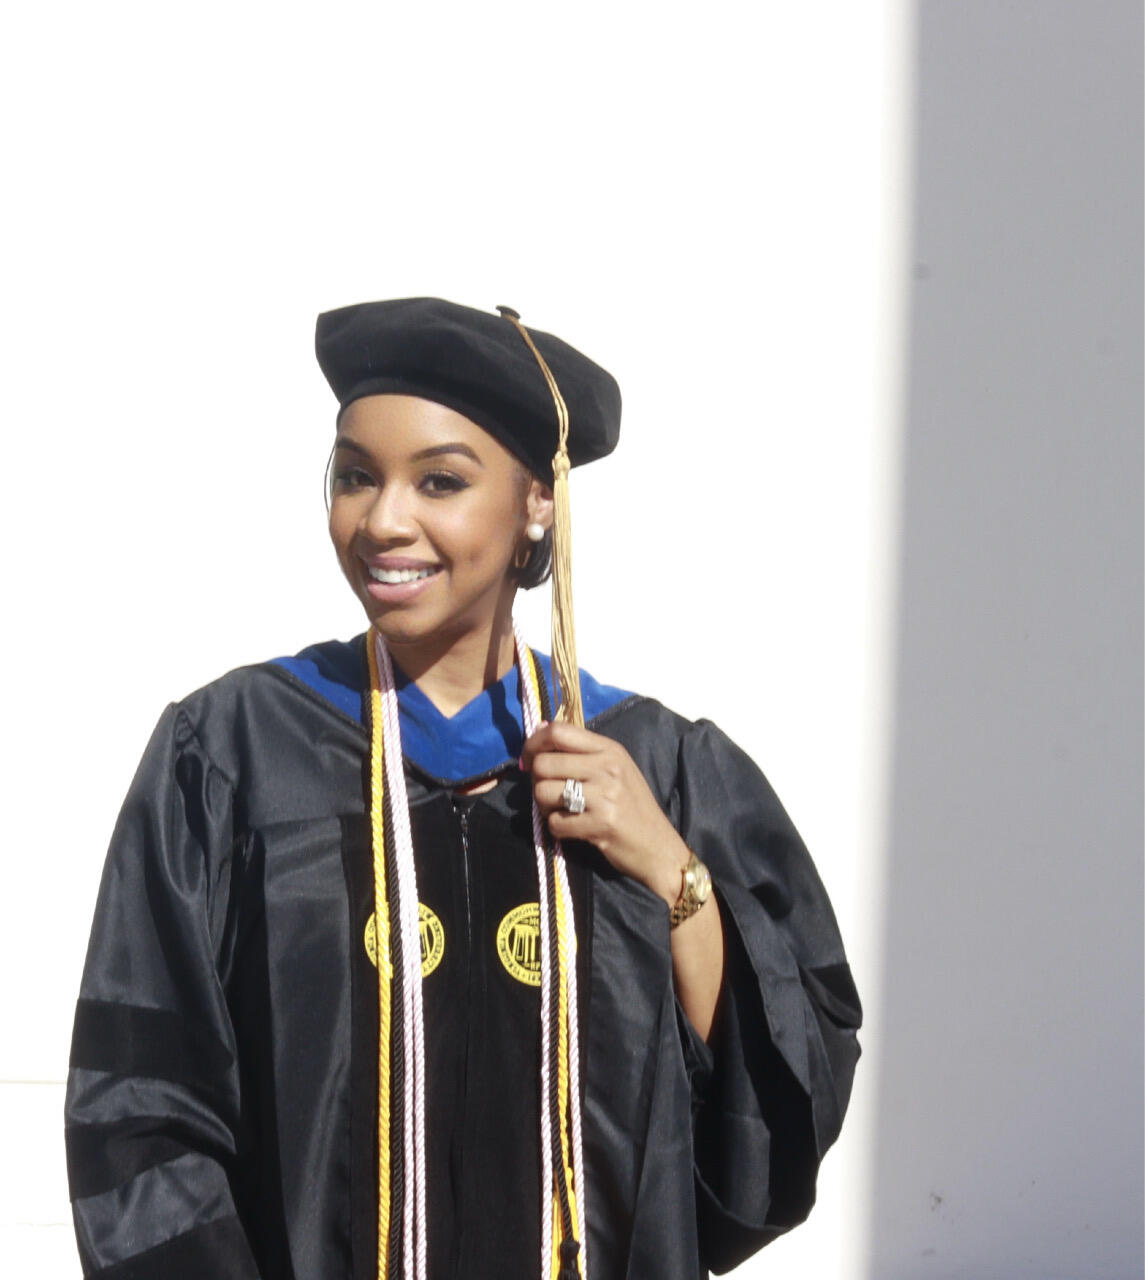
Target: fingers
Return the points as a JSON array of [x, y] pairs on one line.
[[570, 826], [612, 784], [567, 764], [550, 792], [559, 737], [591, 825], [550, 796]]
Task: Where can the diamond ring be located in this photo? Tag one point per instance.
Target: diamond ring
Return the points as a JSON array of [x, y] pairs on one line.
[[572, 798]]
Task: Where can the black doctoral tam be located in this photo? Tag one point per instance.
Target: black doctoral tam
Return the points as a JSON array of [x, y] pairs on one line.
[[476, 363]]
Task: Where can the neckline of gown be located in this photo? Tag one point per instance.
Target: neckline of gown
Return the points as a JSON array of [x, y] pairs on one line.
[[480, 737], [483, 737]]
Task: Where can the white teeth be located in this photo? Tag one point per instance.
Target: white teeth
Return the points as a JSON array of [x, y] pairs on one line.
[[397, 575]]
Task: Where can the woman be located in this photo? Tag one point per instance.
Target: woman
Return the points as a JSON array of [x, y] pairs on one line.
[[349, 1008]]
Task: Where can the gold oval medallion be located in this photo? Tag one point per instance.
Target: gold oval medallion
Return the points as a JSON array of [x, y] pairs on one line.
[[519, 943], [432, 939], [432, 935]]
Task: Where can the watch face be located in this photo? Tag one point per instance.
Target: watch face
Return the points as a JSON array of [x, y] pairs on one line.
[[701, 880]]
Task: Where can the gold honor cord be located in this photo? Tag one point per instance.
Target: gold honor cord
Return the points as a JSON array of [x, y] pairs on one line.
[[382, 943], [566, 953], [564, 632]]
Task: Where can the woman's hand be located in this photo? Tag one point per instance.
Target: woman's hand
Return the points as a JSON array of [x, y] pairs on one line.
[[621, 816]]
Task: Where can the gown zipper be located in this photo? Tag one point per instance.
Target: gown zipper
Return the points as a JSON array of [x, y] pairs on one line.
[[461, 807], [462, 811]]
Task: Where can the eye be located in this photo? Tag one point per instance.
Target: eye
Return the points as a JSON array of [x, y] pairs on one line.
[[350, 478], [439, 484]]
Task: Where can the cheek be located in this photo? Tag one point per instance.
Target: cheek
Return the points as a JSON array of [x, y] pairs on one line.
[[482, 536], [341, 529], [498, 551]]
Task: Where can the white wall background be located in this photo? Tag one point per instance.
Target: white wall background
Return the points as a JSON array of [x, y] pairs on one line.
[[715, 202]]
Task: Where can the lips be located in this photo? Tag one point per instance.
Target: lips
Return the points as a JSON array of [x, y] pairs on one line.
[[396, 580]]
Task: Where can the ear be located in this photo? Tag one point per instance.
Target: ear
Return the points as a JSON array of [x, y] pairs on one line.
[[539, 503]]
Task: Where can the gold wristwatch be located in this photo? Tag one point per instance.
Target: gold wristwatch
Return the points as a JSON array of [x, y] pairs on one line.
[[696, 890]]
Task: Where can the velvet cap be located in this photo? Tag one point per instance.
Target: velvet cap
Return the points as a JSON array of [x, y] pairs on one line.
[[476, 363]]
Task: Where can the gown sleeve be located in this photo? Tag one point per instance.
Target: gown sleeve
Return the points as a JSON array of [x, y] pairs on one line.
[[770, 1090], [152, 1108]]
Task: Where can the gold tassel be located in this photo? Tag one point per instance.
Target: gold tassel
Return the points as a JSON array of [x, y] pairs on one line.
[[570, 708], [564, 631]]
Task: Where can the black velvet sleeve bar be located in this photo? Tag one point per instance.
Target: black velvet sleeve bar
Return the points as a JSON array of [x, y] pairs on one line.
[[153, 1106]]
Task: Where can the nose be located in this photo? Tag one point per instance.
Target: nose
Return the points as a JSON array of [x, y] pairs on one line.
[[389, 518]]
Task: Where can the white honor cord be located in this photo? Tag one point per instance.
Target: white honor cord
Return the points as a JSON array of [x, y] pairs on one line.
[[413, 1016], [531, 713]]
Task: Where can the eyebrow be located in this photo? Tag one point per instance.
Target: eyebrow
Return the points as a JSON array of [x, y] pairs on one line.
[[434, 451], [344, 442]]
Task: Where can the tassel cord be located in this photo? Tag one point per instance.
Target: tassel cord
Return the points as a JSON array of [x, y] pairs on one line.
[[571, 708], [564, 634]]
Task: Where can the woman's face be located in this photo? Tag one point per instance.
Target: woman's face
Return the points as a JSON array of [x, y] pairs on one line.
[[427, 512]]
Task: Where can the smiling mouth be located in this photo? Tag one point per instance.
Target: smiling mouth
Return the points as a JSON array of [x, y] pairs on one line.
[[393, 576]]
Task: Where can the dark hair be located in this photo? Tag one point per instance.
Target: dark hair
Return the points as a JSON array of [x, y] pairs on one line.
[[539, 565]]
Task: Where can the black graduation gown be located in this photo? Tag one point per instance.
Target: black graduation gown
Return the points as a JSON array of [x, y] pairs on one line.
[[221, 1101]]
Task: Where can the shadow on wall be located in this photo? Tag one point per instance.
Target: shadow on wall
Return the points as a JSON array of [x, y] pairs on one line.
[[1010, 1105]]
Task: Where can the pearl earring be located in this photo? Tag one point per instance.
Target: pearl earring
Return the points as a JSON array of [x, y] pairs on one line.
[[534, 532]]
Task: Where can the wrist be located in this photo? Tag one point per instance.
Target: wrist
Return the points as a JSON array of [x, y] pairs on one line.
[[667, 881]]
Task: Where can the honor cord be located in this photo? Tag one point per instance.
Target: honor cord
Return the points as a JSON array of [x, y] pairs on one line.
[[413, 1016], [568, 1081]]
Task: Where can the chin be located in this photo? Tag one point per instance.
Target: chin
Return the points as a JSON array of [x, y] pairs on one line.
[[397, 635], [427, 623], [400, 628], [394, 628]]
